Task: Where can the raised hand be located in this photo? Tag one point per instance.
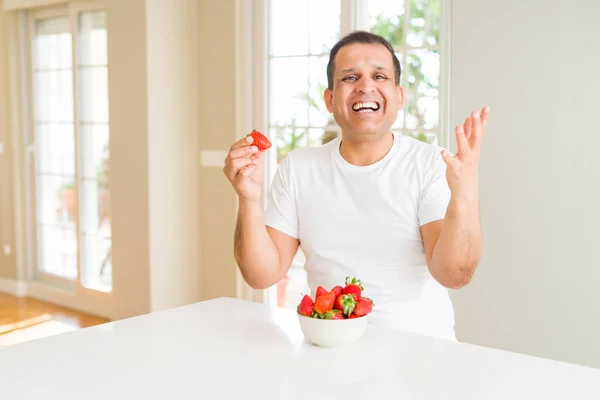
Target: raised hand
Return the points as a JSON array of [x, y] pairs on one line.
[[462, 168], [244, 169]]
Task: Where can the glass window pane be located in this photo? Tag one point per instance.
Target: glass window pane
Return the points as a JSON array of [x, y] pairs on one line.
[[57, 251], [424, 25], [89, 206], [52, 44], [422, 91], [288, 88], [56, 197], [324, 22], [92, 38], [54, 138], [94, 134], [55, 148], [320, 136], [96, 235], [288, 139], [422, 112], [318, 114], [94, 144], [288, 33], [386, 18], [96, 257], [93, 94], [53, 96]]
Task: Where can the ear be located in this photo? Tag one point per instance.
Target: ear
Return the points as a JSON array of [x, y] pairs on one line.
[[328, 97], [400, 93]]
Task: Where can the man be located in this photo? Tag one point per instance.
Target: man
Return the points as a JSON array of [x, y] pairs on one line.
[[399, 214]]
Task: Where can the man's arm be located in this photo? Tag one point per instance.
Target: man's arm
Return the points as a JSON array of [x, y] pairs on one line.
[[453, 245], [263, 254]]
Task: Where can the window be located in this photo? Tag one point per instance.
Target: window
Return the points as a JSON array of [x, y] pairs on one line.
[[71, 141], [413, 28], [300, 36]]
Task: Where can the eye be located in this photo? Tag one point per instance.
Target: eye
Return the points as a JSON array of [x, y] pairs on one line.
[[350, 78], [380, 77]]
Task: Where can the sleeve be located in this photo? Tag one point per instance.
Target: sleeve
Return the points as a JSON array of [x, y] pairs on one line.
[[281, 212], [435, 194]]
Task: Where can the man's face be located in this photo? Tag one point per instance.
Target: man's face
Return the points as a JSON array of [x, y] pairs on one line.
[[365, 99]]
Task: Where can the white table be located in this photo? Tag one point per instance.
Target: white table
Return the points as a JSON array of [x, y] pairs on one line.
[[230, 349]]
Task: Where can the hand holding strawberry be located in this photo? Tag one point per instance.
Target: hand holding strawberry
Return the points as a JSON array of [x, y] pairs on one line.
[[244, 165]]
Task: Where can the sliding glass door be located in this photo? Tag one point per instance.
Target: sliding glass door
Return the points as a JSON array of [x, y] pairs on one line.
[[70, 229]]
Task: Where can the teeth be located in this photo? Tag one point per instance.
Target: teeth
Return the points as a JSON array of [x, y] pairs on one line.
[[370, 104]]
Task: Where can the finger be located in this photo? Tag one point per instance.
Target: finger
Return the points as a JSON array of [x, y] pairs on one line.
[[234, 166], [244, 151], [463, 144], [259, 156], [484, 116], [447, 157], [248, 170], [239, 163], [467, 128], [477, 131], [245, 141]]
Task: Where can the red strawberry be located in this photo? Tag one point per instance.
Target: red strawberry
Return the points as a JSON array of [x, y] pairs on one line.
[[306, 306], [337, 290], [353, 286], [324, 303], [352, 316], [366, 298], [331, 314], [320, 290], [363, 307], [260, 140], [345, 303], [336, 315]]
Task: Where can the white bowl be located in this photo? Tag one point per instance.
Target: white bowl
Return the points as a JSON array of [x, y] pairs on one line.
[[332, 332]]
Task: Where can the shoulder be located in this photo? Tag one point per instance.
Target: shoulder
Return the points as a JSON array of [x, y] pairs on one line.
[[426, 155], [312, 155]]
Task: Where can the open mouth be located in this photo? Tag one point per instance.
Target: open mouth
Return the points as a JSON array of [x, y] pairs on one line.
[[367, 107]]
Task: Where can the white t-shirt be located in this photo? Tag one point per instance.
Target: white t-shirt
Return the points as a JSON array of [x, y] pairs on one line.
[[364, 222]]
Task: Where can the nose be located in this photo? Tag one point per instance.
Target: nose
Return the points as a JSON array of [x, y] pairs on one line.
[[366, 85]]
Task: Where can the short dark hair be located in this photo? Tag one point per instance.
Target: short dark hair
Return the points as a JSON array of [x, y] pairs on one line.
[[365, 38]]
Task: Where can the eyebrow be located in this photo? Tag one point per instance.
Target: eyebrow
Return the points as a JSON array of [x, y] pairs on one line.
[[377, 67]]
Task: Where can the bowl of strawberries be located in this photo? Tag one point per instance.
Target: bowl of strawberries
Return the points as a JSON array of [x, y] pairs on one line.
[[335, 317]]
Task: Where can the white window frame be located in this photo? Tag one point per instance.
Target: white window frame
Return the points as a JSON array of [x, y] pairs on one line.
[[72, 294]]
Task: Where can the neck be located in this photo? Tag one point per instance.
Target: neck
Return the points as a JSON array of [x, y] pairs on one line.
[[366, 152]]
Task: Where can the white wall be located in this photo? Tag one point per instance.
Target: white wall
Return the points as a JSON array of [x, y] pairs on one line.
[[153, 84], [173, 131], [537, 63], [128, 99]]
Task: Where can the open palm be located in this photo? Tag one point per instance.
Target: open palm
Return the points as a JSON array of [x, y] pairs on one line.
[[462, 168]]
